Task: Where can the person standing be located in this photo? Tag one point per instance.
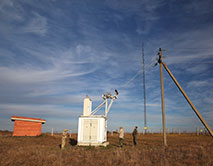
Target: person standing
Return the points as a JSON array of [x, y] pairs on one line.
[[134, 134], [64, 136], [121, 136]]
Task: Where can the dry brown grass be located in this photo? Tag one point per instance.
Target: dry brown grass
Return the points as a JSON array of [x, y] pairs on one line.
[[44, 150]]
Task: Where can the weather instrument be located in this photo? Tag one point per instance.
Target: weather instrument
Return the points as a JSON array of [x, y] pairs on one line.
[[92, 129]]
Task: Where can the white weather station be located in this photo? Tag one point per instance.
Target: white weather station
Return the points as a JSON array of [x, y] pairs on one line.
[[92, 129]]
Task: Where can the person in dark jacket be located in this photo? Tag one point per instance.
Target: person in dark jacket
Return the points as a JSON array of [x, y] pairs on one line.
[[134, 134]]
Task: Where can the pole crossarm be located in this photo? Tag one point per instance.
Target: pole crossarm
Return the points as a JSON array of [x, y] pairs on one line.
[[188, 100]]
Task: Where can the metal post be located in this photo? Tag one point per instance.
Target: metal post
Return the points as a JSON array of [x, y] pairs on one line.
[[144, 90], [70, 133], [162, 98], [188, 100], [198, 130], [52, 132]]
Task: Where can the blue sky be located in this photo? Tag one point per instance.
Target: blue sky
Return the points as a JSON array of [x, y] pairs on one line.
[[55, 52]]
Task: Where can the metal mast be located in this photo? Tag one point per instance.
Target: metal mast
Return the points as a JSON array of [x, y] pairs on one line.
[[144, 89]]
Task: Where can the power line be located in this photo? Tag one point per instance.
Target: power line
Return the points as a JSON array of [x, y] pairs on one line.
[[195, 62], [207, 48], [131, 79]]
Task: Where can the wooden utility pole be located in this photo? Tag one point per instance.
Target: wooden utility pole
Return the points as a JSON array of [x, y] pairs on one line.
[[144, 89], [162, 97], [188, 100]]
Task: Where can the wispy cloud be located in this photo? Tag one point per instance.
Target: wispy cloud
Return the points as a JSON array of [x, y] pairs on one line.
[[36, 25], [54, 53], [199, 7], [199, 83], [26, 75]]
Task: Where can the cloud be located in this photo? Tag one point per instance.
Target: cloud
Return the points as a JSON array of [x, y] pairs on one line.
[[198, 7], [80, 49], [200, 68], [56, 117], [54, 53], [37, 25], [209, 117], [209, 100], [34, 76], [199, 83], [38, 110], [6, 3]]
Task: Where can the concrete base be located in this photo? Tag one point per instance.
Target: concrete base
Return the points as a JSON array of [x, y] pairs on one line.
[[93, 144]]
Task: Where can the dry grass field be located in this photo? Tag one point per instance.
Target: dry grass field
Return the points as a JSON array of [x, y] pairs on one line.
[[182, 150]]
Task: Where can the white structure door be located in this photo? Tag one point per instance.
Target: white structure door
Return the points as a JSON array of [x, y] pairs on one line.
[[94, 130], [90, 130], [86, 130]]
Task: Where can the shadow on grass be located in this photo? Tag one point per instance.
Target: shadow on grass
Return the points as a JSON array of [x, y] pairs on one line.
[[118, 145], [114, 145], [73, 142]]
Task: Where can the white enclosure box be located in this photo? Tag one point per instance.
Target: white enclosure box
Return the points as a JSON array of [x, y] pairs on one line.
[[92, 130], [87, 106]]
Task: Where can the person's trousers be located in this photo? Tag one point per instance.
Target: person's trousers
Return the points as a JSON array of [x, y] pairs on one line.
[[121, 142], [134, 140], [63, 143]]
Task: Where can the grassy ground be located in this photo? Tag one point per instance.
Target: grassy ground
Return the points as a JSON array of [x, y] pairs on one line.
[[45, 150]]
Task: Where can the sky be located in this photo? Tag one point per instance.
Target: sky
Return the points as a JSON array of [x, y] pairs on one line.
[[55, 52]]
